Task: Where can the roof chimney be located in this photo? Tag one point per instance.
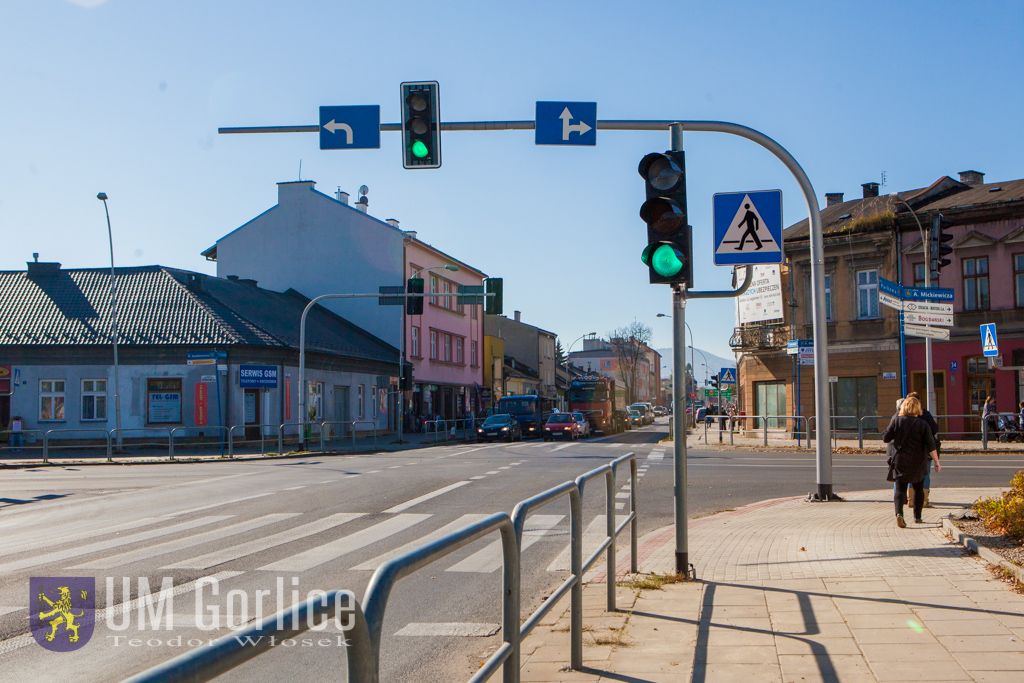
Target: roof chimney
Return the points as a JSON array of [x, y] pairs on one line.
[[870, 189], [247, 281], [833, 198], [972, 178], [341, 196], [363, 203], [518, 316], [194, 282], [393, 222], [42, 268]]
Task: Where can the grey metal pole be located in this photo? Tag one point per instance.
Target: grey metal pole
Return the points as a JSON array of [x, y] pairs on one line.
[[102, 196], [400, 403], [679, 428]]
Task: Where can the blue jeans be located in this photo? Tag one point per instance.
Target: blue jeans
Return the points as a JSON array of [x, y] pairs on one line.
[[17, 440]]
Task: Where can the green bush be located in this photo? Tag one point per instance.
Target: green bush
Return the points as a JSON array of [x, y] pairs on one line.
[[1005, 514]]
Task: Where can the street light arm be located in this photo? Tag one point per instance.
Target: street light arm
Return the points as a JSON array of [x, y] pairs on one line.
[[744, 286]]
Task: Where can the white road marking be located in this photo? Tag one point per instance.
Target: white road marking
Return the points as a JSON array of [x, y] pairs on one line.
[[345, 545], [622, 494], [656, 455], [189, 511], [234, 552], [394, 467], [373, 472], [459, 629], [493, 472], [75, 551], [296, 488], [505, 467], [479, 476], [592, 537], [153, 550], [621, 505], [564, 445], [401, 507], [513, 464], [7, 609], [489, 558], [455, 525], [54, 541]]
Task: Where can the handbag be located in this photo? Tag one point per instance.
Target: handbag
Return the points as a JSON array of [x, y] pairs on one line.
[[891, 475]]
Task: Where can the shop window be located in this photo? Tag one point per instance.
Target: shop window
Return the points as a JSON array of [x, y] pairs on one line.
[[51, 400], [163, 400]]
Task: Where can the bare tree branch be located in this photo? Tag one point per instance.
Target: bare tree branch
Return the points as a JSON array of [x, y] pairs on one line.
[[629, 343]]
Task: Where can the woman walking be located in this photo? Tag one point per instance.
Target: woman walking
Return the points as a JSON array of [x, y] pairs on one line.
[[913, 446]]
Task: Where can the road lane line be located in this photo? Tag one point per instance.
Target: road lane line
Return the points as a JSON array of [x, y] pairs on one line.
[[478, 476], [656, 455], [189, 511], [53, 541], [150, 551], [235, 552], [490, 559], [458, 629], [296, 488], [401, 507], [455, 525], [564, 445], [493, 472], [75, 551], [345, 545]]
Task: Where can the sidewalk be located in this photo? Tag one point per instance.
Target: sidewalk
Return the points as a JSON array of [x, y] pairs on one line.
[[754, 439], [795, 591]]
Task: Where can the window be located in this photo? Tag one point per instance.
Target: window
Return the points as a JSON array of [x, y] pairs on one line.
[[163, 400], [474, 312], [919, 275], [1018, 278], [360, 403], [607, 364], [51, 400], [94, 399], [315, 400], [373, 401], [460, 353], [433, 288], [854, 398], [867, 294], [828, 298], [472, 352], [975, 283], [446, 288], [433, 345], [447, 358], [414, 344]]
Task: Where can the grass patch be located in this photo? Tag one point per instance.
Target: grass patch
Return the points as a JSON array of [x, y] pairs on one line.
[[651, 582], [1008, 577]]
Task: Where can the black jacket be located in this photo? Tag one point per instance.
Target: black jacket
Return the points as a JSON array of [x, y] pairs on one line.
[[913, 443]]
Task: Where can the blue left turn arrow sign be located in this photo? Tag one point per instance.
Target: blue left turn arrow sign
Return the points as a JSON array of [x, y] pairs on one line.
[[350, 127]]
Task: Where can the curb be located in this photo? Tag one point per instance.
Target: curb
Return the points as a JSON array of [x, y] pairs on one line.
[[972, 546], [186, 460]]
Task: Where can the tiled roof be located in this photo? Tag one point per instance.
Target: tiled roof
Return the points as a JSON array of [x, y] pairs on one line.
[[166, 306], [988, 194]]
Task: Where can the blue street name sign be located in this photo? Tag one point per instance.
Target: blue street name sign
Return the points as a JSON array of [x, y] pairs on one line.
[[566, 123], [727, 376], [989, 340], [258, 376], [891, 288], [928, 294], [350, 127], [748, 227], [204, 357]]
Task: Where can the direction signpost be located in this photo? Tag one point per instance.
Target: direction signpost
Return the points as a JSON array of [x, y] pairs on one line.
[[555, 123], [350, 127]]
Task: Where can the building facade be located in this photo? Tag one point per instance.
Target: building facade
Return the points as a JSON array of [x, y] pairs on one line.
[[531, 347], [599, 356]]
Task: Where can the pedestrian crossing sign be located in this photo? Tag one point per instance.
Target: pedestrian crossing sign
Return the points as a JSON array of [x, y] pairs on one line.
[[727, 376], [748, 227], [989, 341]]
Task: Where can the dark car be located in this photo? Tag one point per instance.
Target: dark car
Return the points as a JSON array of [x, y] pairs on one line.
[[500, 426], [561, 425], [622, 422]]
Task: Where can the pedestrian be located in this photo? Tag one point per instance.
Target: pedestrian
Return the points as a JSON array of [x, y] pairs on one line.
[[1020, 416], [913, 444], [934, 426], [990, 414], [17, 435]]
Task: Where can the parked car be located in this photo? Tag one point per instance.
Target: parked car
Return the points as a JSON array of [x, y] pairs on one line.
[[499, 426], [635, 418], [581, 419], [562, 425]]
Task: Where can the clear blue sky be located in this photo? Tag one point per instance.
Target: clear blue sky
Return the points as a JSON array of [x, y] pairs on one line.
[[126, 97]]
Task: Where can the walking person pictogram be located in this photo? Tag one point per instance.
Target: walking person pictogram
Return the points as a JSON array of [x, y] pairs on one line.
[[751, 221]]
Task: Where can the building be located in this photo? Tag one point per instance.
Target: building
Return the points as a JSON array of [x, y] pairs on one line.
[[532, 349], [878, 236], [196, 354], [494, 371], [444, 343], [600, 356]]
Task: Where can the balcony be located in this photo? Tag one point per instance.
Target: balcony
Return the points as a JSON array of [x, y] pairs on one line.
[[759, 337]]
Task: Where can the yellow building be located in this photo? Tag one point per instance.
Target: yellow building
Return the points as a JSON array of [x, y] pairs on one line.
[[493, 362]]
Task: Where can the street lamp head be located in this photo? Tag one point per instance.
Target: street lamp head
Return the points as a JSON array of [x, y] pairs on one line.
[[663, 315], [451, 267], [102, 196]]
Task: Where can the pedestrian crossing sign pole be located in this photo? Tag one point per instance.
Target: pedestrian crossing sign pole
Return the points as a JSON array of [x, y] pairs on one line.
[[748, 227]]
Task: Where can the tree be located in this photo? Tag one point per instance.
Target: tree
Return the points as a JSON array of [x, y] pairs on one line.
[[559, 353], [630, 345]]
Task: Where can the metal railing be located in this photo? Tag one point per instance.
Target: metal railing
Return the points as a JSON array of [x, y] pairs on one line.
[[216, 442], [365, 634], [46, 439], [325, 432], [162, 432], [27, 438]]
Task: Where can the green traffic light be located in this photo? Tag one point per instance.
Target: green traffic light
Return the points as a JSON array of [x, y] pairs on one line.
[[666, 261], [419, 149]]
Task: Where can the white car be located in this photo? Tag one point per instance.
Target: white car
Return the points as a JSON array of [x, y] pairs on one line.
[[584, 424]]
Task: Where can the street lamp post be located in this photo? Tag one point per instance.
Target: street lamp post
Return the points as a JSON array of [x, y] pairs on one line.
[[693, 367], [102, 196], [566, 363]]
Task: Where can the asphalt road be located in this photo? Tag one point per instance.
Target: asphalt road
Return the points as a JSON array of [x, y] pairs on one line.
[[324, 522]]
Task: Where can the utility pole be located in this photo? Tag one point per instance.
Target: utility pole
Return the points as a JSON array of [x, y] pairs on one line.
[[102, 196]]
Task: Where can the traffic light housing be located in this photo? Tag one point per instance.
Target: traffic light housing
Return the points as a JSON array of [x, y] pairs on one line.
[[713, 381], [938, 247], [405, 381], [493, 305], [668, 254], [414, 304], [421, 125]]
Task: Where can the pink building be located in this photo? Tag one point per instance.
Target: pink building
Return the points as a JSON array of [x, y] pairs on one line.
[[987, 276], [445, 343]]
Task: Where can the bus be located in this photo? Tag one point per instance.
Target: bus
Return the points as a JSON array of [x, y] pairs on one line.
[[594, 396], [530, 410]]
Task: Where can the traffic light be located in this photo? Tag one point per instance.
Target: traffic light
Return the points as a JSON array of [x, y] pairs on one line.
[[405, 381], [669, 242], [421, 125], [414, 304], [713, 381], [938, 249], [493, 304]]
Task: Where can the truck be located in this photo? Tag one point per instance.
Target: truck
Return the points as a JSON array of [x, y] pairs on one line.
[[594, 396], [528, 409]]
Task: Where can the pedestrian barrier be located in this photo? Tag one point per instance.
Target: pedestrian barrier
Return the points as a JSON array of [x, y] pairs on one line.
[[202, 441], [46, 439], [162, 432], [364, 634], [352, 424], [27, 437], [983, 432]]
